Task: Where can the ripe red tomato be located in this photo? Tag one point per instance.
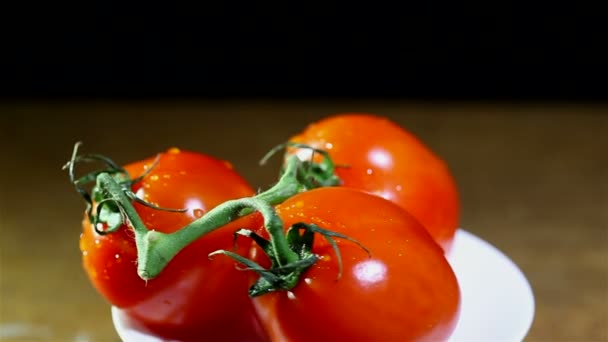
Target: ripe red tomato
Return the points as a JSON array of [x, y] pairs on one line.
[[406, 290], [384, 159], [193, 299]]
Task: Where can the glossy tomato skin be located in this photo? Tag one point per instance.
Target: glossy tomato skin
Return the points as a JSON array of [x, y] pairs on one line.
[[384, 159], [406, 290], [194, 298]]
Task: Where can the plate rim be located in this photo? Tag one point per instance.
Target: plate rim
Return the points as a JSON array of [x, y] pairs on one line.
[[523, 283]]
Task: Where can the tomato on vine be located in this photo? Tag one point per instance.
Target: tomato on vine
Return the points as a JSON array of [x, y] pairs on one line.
[[398, 287], [382, 158], [193, 299]]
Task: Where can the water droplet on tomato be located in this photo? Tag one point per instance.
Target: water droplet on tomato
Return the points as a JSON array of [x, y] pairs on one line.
[[370, 272], [116, 256], [166, 176], [398, 188], [85, 253], [290, 295], [308, 281], [154, 177], [198, 213], [369, 171], [97, 243], [329, 146], [299, 204]]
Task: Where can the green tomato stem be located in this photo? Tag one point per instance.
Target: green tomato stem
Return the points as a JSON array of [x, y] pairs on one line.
[[287, 186], [156, 249]]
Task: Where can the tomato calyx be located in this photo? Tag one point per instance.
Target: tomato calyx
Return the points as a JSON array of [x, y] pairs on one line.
[[310, 174], [300, 239], [109, 215]]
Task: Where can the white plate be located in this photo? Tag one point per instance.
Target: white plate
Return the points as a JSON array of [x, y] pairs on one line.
[[497, 300]]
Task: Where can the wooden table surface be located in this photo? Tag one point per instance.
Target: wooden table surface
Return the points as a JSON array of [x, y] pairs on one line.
[[533, 180]]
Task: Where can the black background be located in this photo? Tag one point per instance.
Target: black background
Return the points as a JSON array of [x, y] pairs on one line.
[[436, 52]]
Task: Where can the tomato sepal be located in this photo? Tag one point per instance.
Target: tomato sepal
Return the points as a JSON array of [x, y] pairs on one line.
[[311, 174], [108, 213], [284, 277]]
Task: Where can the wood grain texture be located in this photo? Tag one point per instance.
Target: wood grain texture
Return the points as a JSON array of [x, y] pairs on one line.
[[532, 178]]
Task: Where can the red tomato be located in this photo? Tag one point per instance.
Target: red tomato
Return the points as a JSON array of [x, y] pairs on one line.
[[406, 290], [386, 160], [193, 299]]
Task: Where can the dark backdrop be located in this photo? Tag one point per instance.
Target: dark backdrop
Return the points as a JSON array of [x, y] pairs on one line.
[[433, 52]]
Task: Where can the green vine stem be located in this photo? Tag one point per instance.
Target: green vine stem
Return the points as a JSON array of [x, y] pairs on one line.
[[156, 249]]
